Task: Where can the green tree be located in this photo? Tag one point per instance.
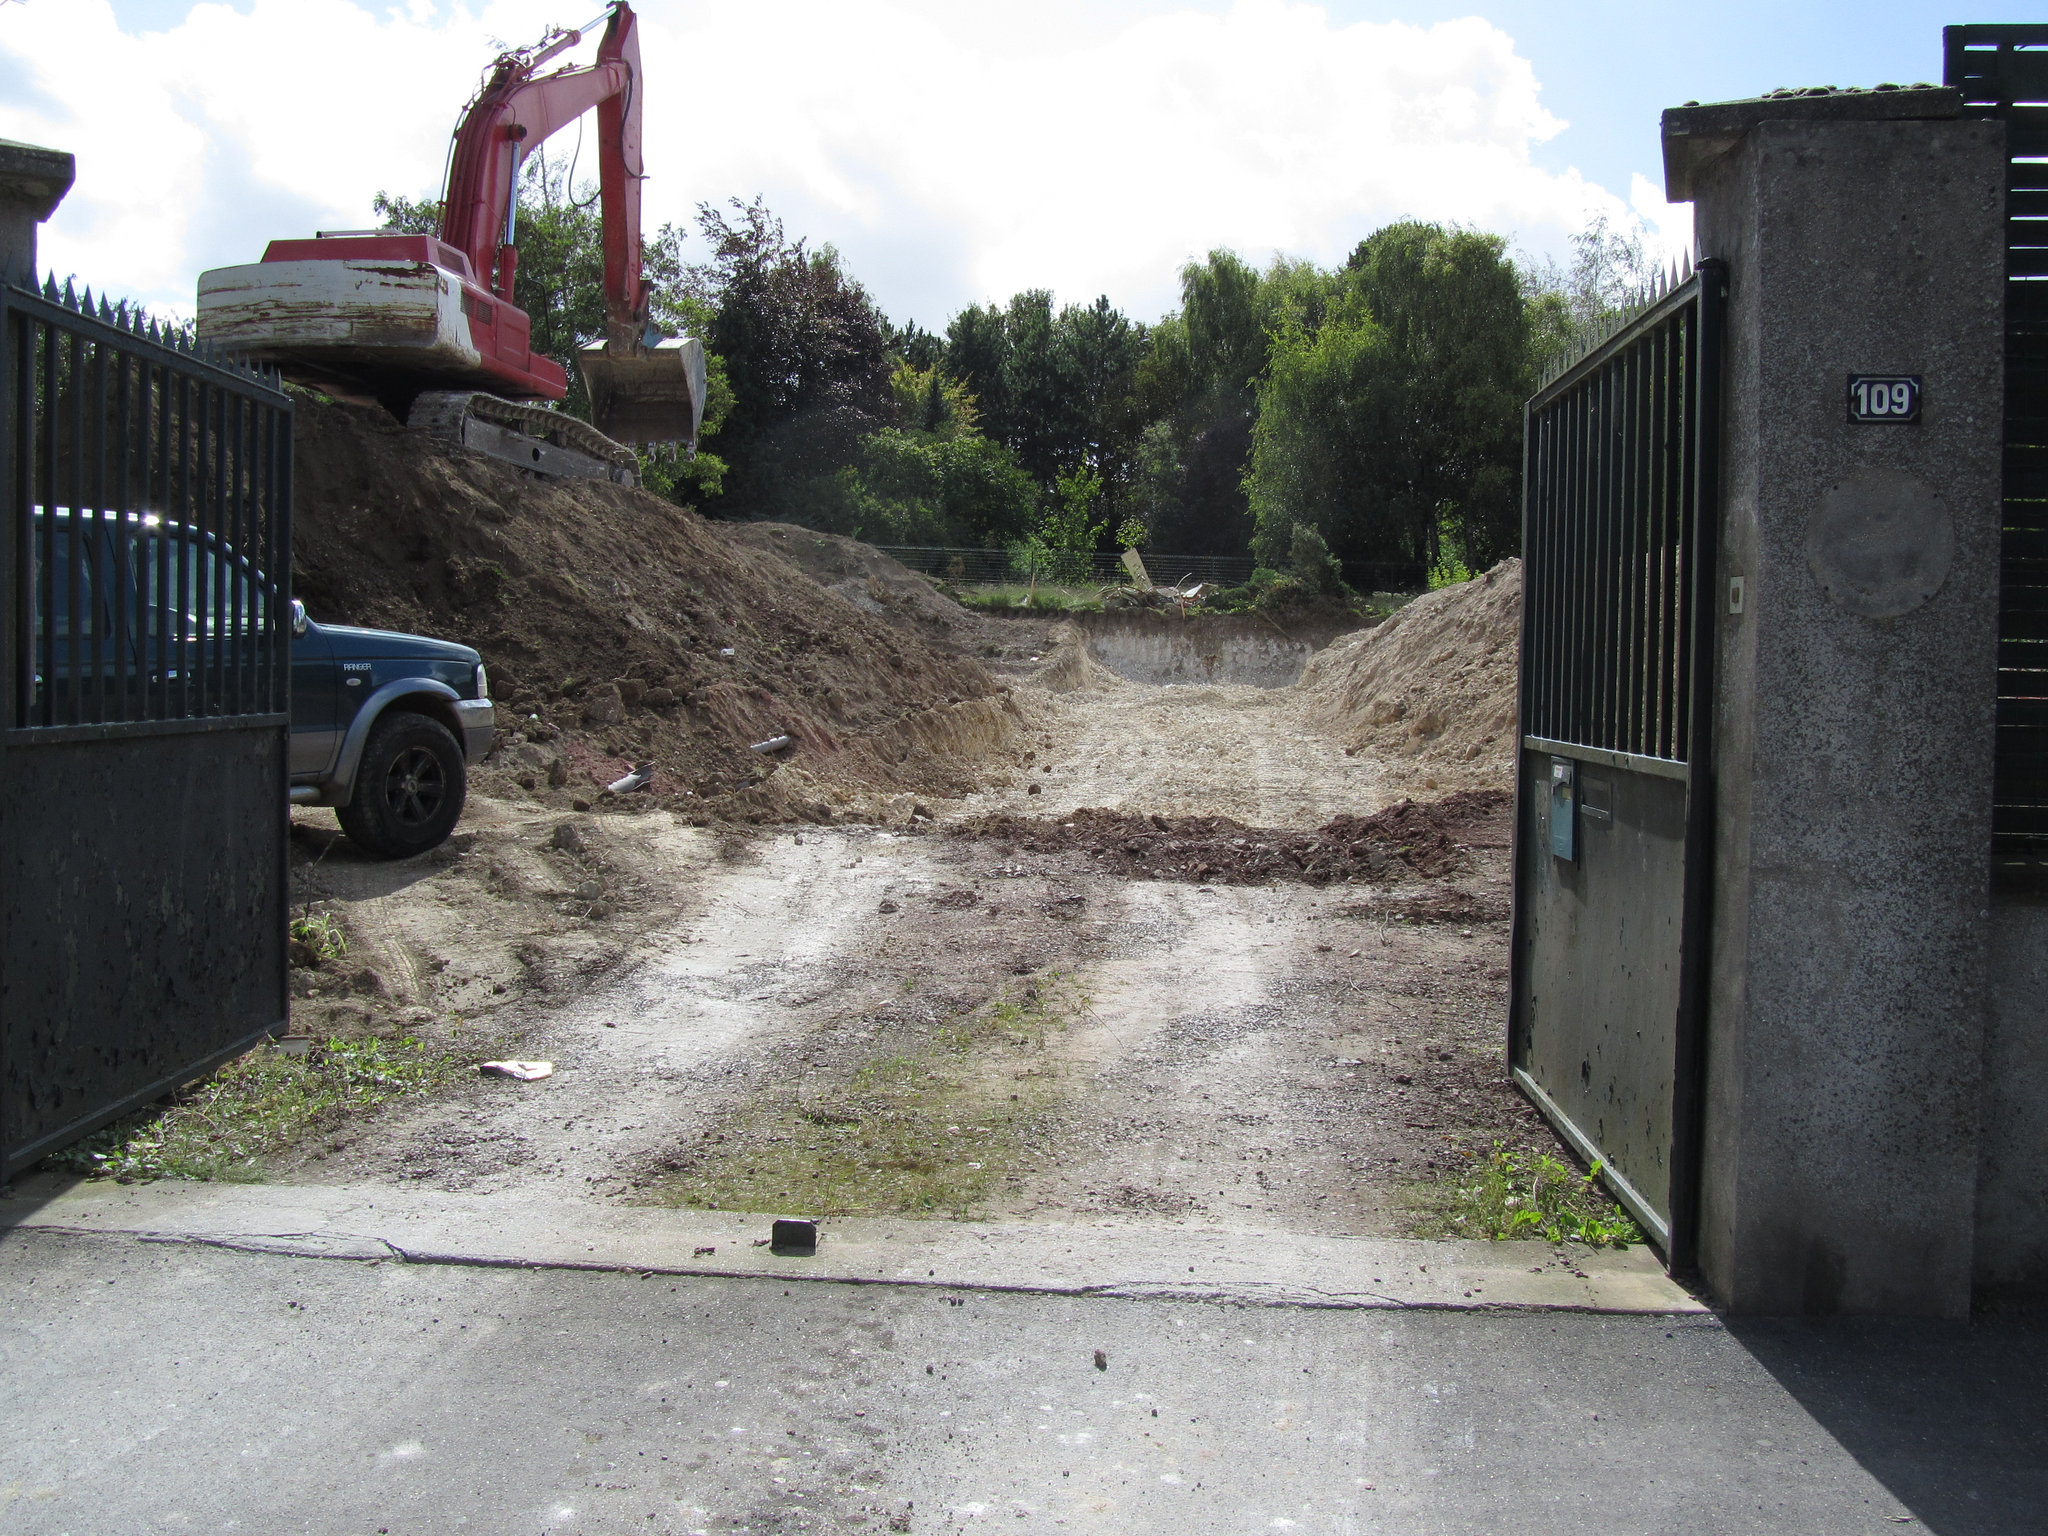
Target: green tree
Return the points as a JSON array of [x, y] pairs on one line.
[[1393, 425], [915, 345], [913, 487], [1196, 392], [978, 353], [1326, 452], [1610, 273], [930, 400], [1054, 384], [1105, 347], [1062, 548], [1310, 562], [1452, 307], [806, 358]]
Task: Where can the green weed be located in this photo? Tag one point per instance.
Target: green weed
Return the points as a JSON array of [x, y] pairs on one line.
[[253, 1108], [1045, 598], [1533, 1195], [321, 935]]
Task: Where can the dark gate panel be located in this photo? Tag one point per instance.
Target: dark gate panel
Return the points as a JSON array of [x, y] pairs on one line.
[[144, 666], [151, 943], [2003, 72], [1612, 792]]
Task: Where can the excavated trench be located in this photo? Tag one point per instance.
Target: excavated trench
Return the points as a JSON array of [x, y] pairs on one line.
[[1164, 649]]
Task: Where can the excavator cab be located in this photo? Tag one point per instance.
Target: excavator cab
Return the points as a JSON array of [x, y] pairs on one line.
[[427, 325], [646, 394]]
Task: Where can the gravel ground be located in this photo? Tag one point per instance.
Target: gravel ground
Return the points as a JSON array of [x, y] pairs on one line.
[[1016, 1024]]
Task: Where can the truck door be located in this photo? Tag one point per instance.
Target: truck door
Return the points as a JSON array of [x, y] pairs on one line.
[[316, 721]]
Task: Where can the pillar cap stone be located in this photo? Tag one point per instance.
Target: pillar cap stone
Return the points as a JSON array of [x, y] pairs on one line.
[[35, 177], [1697, 134]]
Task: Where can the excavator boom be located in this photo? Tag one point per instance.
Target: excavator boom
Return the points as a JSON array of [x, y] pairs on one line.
[[418, 321]]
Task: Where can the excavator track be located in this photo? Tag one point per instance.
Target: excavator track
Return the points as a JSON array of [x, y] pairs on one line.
[[531, 437]]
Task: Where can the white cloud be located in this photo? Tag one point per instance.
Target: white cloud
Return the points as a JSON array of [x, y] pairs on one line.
[[951, 152], [1666, 227]]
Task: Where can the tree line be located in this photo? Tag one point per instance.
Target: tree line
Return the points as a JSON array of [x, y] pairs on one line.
[[1369, 412]]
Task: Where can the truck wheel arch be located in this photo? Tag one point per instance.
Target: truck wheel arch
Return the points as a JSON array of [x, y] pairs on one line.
[[421, 695]]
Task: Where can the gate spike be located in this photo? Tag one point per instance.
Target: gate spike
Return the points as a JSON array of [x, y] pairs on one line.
[[50, 288], [70, 293]]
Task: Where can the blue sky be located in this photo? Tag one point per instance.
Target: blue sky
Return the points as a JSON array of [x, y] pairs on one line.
[[1611, 69], [952, 151]]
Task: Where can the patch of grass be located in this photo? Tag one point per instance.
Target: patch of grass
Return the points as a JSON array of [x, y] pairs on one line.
[[321, 935], [933, 1131], [253, 1108], [1528, 1195], [1044, 598]]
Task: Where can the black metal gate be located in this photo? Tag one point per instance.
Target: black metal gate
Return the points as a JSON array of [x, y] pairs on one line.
[[1613, 791], [2003, 72], [145, 554]]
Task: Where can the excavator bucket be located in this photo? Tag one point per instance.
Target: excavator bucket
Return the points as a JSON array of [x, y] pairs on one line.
[[646, 395]]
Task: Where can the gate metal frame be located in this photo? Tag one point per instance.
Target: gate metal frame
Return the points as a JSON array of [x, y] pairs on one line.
[[2002, 71], [144, 724], [1617, 672]]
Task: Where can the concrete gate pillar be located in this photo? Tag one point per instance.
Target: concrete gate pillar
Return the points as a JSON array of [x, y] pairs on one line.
[[1856, 681], [33, 182]]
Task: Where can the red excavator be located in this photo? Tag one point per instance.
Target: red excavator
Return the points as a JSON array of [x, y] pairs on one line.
[[426, 326]]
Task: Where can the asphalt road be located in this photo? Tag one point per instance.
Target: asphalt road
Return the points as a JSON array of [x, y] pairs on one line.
[[160, 1387]]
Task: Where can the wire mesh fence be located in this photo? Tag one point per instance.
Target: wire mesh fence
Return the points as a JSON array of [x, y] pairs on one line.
[[995, 567]]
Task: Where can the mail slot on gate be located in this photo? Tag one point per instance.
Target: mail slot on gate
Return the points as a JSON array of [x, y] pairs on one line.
[[1563, 797]]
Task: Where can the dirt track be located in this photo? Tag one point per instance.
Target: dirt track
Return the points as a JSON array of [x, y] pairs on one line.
[[872, 1019]]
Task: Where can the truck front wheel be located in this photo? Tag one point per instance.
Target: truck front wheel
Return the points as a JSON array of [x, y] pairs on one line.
[[410, 787]]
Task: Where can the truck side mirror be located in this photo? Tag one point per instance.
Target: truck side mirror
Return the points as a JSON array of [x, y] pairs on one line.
[[299, 619]]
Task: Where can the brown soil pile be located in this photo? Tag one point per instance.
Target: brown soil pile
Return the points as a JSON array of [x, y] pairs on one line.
[[1431, 839], [1432, 690], [888, 589], [621, 628]]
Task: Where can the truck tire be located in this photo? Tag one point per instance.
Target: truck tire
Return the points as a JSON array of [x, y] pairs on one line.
[[410, 787]]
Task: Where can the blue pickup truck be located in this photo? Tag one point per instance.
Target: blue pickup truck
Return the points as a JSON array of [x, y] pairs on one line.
[[137, 617], [384, 726]]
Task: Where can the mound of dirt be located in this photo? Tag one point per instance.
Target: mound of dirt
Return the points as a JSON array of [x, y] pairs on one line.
[[1431, 839], [888, 589], [1068, 665], [1431, 690], [619, 628]]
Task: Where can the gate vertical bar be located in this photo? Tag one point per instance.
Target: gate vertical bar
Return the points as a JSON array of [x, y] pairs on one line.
[[1696, 928], [1534, 664], [16, 434], [100, 540]]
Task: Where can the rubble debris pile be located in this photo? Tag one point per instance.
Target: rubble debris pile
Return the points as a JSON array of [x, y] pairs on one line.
[[1406, 839], [1432, 688]]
